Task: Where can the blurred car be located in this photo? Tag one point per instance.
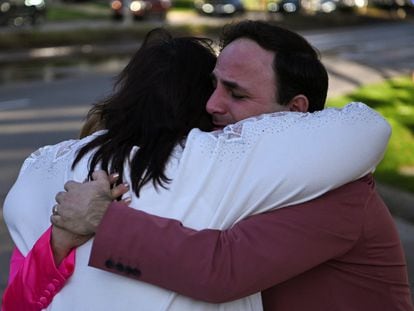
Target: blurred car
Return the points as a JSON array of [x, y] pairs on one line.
[[22, 12], [283, 6], [140, 8], [328, 6], [219, 7]]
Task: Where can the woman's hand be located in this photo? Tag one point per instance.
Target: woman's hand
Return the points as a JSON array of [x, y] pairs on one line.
[[62, 242]]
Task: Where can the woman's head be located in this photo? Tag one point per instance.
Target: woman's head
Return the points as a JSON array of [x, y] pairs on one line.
[[158, 98], [165, 85]]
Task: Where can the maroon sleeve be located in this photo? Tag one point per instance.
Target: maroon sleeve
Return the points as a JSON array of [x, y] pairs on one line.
[[218, 266]]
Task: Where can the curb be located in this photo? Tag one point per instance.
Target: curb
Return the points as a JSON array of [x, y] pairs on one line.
[[85, 50]]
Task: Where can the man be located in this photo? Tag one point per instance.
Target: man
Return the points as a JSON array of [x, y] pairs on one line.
[[338, 252]]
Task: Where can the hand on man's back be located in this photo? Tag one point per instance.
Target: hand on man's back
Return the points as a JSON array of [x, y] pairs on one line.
[[81, 207]]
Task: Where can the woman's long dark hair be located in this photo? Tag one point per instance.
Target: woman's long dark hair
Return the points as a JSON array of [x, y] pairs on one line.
[[158, 98]]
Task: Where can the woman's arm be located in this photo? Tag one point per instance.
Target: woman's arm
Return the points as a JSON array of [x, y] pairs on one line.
[[35, 279], [62, 242], [281, 159]]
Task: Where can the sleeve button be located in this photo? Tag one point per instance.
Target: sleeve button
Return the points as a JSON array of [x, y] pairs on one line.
[[120, 267], [128, 270], [109, 264], [56, 282], [43, 301], [51, 288], [136, 272]]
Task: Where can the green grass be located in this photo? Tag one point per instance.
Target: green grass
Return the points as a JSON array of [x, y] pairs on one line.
[[30, 38], [394, 99], [83, 11], [255, 5], [183, 4], [99, 9]]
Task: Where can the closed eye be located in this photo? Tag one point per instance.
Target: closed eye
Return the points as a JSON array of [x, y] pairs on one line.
[[236, 96]]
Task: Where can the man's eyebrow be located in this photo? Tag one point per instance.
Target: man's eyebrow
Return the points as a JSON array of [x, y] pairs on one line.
[[229, 84]]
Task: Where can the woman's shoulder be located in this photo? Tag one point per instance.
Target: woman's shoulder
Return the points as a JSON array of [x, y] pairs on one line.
[[49, 153], [277, 123], [59, 152]]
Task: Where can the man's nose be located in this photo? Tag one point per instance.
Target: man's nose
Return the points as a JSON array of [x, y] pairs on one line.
[[215, 103]]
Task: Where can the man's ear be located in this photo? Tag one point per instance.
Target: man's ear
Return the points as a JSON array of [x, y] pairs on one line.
[[299, 103]]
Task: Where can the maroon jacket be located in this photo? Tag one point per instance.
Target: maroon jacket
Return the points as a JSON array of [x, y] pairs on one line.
[[338, 252]]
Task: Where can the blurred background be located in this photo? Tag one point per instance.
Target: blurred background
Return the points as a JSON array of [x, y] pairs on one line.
[[57, 57]]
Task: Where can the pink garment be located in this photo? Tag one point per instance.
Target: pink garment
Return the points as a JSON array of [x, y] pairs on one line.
[[34, 280]]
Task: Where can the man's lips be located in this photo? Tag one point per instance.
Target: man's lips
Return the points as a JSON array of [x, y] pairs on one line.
[[217, 127], [219, 123]]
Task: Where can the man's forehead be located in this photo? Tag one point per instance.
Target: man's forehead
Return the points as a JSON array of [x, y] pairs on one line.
[[243, 48], [244, 59]]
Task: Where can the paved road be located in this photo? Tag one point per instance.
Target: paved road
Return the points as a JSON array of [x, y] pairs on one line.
[[51, 108]]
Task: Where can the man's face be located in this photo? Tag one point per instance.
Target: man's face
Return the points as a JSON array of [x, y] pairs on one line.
[[245, 83]]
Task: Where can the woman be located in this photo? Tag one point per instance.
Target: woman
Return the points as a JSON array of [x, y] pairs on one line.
[[152, 81], [159, 99]]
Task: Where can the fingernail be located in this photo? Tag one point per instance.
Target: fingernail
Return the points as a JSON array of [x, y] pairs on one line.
[[115, 175], [126, 185], [127, 200]]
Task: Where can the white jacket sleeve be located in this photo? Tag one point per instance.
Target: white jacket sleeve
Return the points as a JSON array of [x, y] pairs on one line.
[[281, 159]]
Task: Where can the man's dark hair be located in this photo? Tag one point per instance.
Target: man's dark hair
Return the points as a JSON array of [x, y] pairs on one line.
[[297, 67], [158, 98]]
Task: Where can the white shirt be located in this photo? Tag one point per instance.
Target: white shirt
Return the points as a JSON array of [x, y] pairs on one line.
[[258, 164]]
